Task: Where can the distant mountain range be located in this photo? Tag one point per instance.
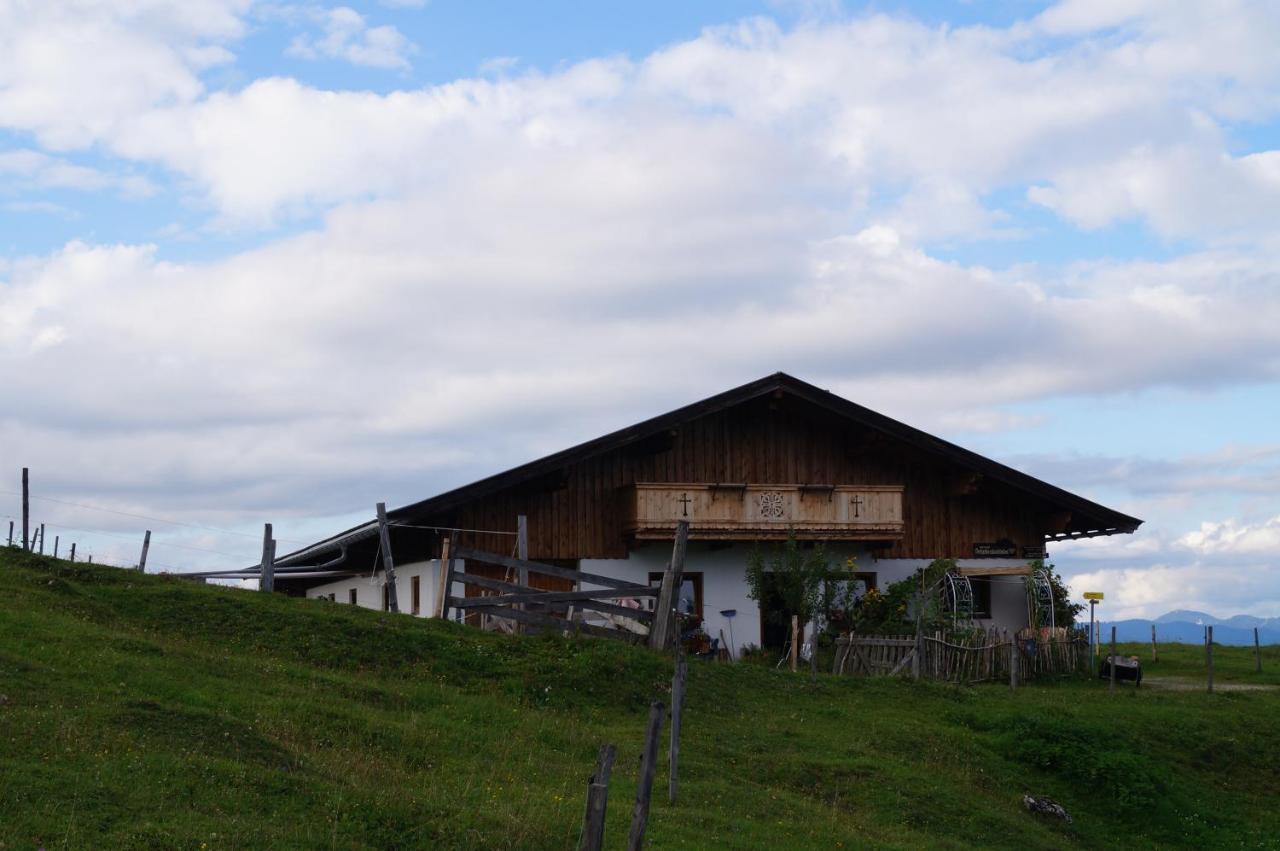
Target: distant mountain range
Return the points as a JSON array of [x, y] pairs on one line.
[[1187, 627]]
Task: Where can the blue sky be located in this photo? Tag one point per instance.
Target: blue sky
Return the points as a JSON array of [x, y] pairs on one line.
[[1043, 230]]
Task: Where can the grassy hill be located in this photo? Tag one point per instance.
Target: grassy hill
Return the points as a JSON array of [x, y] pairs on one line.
[[147, 712]]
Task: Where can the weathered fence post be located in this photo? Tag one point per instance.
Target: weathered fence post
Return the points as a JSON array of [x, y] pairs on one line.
[[1153, 642], [664, 620], [446, 575], [267, 580], [795, 638], [597, 802], [56, 540], [677, 707], [146, 545], [915, 658], [1208, 655], [1013, 663], [11, 533], [644, 786], [41, 539], [522, 553], [388, 564], [73, 552], [26, 511], [1257, 651], [813, 657], [1112, 686]]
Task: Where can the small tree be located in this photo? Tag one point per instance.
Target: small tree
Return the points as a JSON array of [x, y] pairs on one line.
[[799, 577]]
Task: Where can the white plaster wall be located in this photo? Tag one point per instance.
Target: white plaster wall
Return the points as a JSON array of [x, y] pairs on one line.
[[369, 593], [724, 584]]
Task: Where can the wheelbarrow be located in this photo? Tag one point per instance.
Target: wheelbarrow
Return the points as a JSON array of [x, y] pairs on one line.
[[1127, 668]]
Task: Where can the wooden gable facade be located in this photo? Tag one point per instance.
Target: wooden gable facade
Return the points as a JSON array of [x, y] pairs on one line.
[[778, 431], [584, 512]]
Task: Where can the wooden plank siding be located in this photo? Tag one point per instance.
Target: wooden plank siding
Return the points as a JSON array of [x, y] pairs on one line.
[[581, 511]]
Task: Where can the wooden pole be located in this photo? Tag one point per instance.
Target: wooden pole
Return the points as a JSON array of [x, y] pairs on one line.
[[1153, 642], [26, 511], [1257, 651], [597, 801], [664, 621], [677, 706], [90, 558], [915, 659], [1013, 663], [442, 587], [73, 552], [1208, 651], [267, 579], [1112, 686], [146, 545], [56, 540], [388, 564], [795, 636], [813, 659], [522, 553], [11, 533], [41, 539], [644, 784]]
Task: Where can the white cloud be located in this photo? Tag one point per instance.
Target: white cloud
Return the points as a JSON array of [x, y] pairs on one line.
[[915, 125], [1232, 537], [26, 169], [70, 72], [348, 36]]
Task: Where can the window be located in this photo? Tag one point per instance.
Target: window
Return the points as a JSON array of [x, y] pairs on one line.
[[417, 594], [333, 598], [845, 591], [981, 586], [351, 596], [858, 585], [690, 601]]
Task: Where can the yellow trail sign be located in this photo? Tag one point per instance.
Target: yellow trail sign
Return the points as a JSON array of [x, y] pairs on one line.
[[1093, 595]]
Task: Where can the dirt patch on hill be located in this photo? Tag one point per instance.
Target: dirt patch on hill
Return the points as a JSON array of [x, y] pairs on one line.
[[1187, 684]]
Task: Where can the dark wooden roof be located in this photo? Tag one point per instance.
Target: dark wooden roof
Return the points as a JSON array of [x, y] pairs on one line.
[[1089, 518]]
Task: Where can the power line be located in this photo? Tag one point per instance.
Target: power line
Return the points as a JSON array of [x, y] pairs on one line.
[[147, 517], [153, 543]]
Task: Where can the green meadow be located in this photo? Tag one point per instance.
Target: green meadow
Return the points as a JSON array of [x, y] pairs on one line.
[[150, 712]]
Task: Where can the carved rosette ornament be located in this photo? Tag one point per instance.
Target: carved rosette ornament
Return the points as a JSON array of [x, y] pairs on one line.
[[771, 505]]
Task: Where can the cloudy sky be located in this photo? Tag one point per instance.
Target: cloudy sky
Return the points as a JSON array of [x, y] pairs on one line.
[[278, 261]]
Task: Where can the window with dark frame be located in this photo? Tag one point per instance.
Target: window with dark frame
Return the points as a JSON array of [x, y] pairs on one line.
[[351, 596], [839, 584], [690, 601], [981, 586]]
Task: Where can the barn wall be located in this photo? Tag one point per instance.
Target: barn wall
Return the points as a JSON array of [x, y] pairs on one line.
[[580, 513], [369, 593]]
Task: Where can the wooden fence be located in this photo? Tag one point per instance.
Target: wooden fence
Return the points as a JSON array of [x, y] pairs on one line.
[[534, 608], [990, 656], [541, 609]]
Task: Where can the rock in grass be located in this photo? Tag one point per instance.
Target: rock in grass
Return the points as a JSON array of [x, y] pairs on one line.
[[1045, 807]]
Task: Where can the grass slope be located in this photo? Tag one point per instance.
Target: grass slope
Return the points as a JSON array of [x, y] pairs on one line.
[[146, 712]]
